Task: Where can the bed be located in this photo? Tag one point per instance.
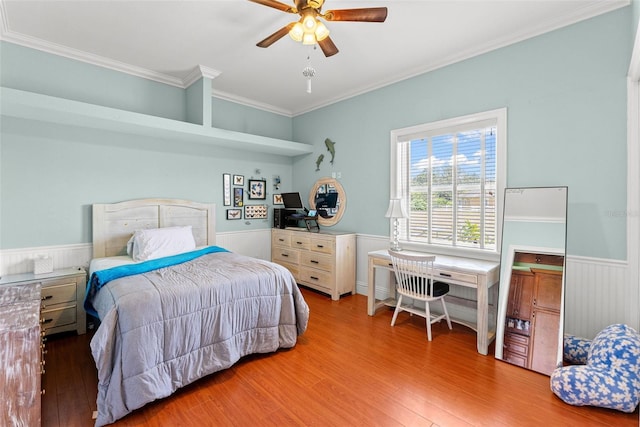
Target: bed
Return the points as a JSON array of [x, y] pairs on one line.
[[171, 319]]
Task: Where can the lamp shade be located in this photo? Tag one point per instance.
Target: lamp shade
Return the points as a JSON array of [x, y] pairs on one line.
[[396, 209]]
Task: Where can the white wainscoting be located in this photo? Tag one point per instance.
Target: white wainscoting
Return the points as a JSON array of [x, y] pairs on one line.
[[596, 296], [255, 243], [597, 290], [15, 261]]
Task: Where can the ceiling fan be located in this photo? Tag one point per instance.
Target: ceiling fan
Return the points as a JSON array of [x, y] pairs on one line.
[[309, 29]]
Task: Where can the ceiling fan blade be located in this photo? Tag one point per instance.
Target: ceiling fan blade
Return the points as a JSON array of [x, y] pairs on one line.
[[371, 14], [277, 5], [327, 46], [276, 36]]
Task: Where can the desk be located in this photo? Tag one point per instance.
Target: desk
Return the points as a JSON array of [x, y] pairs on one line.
[[478, 274]]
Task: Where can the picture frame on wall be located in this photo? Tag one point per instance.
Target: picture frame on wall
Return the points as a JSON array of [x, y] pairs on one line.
[[226, 189], [234, 213], [238, 179], [277, 199], [238, 197], [255, 211], [257, 189]]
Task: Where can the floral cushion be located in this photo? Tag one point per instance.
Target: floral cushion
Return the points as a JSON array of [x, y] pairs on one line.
[[576, 350], [611, 376]]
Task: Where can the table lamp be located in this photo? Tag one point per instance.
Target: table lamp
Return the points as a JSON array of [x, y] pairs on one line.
[[396, 211]]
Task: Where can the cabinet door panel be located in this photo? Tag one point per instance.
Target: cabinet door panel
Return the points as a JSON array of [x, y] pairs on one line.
[[544, 341], [548, 290]]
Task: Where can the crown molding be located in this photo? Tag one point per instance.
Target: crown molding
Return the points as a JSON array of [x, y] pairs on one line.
[[198, 72], [591, 10], [89, 58], [251, 103]]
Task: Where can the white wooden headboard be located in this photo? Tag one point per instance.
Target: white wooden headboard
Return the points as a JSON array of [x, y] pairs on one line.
[[114, 223]]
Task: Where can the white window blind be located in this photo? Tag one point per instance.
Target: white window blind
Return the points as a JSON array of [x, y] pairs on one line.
[[447, 176]]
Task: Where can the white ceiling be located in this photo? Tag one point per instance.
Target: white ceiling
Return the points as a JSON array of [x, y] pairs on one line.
[[165, 40]]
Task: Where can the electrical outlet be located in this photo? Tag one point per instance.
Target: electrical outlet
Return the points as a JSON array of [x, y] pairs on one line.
[[339, 175]]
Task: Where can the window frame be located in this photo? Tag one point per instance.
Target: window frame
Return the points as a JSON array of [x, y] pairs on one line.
[[398, 136]]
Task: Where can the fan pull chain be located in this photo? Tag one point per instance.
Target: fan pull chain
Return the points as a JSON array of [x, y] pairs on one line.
[[309, 72]]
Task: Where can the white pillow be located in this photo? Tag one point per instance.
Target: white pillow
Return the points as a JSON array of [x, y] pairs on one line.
[[160, 242]]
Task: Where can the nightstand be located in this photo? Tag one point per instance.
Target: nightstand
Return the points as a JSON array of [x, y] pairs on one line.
[[62, 297]]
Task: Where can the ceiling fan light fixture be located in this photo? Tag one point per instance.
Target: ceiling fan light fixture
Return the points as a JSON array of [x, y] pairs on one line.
[[309, 38], [297, 32], [322, 32], [309, 23]]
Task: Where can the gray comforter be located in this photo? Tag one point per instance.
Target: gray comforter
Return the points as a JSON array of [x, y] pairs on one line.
[[164, 329]]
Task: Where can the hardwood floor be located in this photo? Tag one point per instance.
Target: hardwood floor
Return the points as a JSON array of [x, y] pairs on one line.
[[348, 369]]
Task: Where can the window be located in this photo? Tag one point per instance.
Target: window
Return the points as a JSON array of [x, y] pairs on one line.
[[450, 176]]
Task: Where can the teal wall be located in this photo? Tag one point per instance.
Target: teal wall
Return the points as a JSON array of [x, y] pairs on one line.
[[635, 5], [50, 175], [36, 71], [565, 92]]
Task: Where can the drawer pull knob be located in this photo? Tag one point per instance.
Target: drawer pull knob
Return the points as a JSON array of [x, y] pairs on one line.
[[42, 391], [44, 298], [315, 262], [281, 240], [43, 321], [445, 274], [320, 246], [314, 278], [298, 243], [285, 255]]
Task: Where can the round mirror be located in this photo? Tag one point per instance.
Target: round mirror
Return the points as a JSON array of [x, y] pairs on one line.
[[328, 198]]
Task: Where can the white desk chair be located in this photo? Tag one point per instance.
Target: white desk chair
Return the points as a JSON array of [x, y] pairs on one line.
[[414, 279]]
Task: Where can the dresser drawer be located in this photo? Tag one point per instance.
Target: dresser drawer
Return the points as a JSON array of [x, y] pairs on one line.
[[326, 246], [285, 255], [58, 293], [280, 239], [316, 260], [299, 241], [324, 261], [59, 316], [293, 268], [316, 278]]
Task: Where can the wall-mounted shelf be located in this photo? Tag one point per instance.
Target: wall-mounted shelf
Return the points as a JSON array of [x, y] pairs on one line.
[[34, 106]]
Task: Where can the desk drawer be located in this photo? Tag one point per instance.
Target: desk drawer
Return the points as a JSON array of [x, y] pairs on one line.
[[455, 276]]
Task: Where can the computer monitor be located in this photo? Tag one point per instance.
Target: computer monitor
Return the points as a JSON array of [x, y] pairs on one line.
[[292, 201], [326, 201]]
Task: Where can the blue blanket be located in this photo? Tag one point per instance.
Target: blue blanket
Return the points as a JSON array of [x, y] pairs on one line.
[[100, 278]]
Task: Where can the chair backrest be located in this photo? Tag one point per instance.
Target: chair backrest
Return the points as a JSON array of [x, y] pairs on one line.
[[414, 273]]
